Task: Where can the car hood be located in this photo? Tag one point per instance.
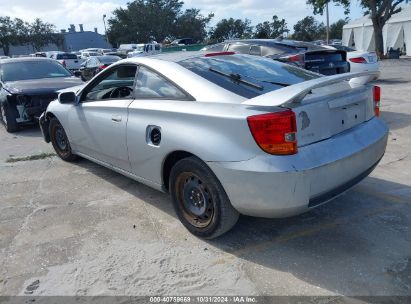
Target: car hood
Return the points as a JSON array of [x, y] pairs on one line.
[[41, 86]]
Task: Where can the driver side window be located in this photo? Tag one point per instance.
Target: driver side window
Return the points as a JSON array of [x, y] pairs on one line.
[[117, 83]]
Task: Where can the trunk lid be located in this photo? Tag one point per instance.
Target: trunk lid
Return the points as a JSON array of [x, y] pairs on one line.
[[326, 62], [323, 106], [332, 110]]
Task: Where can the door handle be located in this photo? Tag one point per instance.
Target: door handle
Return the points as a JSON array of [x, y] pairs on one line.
[[116, 118]]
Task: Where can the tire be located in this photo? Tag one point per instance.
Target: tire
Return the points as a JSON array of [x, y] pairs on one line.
[[60, 142], [8, 117], [199, 199]]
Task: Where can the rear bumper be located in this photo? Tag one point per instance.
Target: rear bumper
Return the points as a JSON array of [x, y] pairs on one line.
[[281, 186]]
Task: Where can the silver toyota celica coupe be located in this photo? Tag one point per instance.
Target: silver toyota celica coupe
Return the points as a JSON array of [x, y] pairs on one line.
[[225, 134]]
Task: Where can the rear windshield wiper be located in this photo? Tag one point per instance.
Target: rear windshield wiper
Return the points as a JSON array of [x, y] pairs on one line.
[[237, 78], [277, 83]]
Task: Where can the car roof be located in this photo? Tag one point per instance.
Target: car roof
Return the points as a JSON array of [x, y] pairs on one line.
[[23, 59], [106, 56], [176, 56], [272, 42]]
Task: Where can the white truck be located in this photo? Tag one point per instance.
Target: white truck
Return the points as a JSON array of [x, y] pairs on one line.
[[68, 60], [145, 49]]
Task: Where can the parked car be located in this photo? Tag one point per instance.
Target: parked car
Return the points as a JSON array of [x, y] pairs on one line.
[[108, 51], [145, 49], [51, 53], [88, 54], [95, 65], [302, 54], [183, 41], [359, 60], [68, 60], [77, 53], [223, 134], [27, 85]]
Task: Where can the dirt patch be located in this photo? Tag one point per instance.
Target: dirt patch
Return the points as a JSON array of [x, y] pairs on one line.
[[30, 157]]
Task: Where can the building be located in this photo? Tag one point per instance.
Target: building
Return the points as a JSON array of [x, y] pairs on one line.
[[78, 40], [396, 33], [73, 41]]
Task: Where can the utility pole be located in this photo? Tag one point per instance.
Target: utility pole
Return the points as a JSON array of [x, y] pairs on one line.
[[328, 23], [105, 28]]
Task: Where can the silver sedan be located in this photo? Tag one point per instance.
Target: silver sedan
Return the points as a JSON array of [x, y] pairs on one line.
[[224, 134]]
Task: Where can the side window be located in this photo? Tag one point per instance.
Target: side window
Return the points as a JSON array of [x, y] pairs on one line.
[[255, 50], [92, 62], [115, 84], [157, 47], [151, 85], [239, 48]]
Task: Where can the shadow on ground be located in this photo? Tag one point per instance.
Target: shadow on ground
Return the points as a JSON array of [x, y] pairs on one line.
[[396, 120], [358, 244]]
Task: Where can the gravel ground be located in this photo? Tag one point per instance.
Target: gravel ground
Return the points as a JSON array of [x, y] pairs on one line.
[[80, 229]]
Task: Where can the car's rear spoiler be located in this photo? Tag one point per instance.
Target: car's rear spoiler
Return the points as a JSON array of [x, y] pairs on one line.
[[296, 92]]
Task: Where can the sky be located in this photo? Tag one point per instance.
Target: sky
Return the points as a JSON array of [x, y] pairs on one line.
[[62, 13]]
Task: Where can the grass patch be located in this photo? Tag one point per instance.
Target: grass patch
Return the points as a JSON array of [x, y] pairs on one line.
[[30, 157]]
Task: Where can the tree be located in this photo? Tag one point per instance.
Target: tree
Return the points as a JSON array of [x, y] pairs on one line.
[[309, 29], [191, 24], [41, 34], [273, 29], [231, 29], [145, 20], [12, 32], [379, 10], [336, 29]]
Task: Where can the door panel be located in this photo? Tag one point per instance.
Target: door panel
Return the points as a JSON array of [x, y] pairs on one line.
[[98, 123], [98, 129]]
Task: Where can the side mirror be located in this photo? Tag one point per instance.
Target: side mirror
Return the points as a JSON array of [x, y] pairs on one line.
[[77, 73], [67, 97]]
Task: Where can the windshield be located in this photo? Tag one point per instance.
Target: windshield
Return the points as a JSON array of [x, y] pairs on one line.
[[246, 75], [66, 56], [108, 59], [26, 70]]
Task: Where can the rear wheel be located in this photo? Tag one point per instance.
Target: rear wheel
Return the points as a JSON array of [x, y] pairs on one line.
[[60, 141], [199, 199], [8, 117]]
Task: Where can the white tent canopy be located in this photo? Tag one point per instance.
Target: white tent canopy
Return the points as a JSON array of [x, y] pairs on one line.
[[396, 33]]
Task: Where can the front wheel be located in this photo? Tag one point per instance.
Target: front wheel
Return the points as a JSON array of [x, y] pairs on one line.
[[60, 142], [8, 117], [199, 199]]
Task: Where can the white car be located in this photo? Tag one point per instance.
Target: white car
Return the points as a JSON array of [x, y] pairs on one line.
[[146, 49], [223, 133], [360, 61], [88, 54], [68, 60]]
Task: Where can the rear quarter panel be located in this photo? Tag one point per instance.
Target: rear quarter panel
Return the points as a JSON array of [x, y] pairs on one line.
[[211, 131]]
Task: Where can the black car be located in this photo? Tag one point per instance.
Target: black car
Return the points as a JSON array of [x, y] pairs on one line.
[[303, 54], [27, 86], [183, 41], [95, 64]]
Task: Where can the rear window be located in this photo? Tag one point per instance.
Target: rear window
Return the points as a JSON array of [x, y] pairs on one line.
[[66, 56], [26, 70], [323, 56], [247, 75], [109, 59]]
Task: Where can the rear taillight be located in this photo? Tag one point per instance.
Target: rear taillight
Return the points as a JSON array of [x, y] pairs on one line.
[[298, 59], [63, 62], [102, 67], [358, 60], [275, 133], [377, 99], [219, 54]]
